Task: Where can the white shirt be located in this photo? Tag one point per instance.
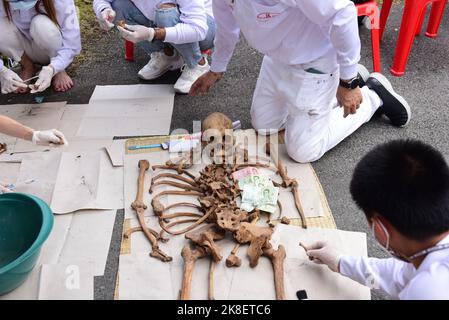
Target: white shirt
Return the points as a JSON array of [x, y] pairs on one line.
[[193, 17], [289, 31], [66, 15], [402, 280]]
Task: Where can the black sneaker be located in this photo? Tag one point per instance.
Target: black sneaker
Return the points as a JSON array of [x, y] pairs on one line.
[[394, 106], [363, 74]]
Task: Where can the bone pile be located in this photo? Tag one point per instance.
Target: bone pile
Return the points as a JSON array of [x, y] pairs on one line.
[[216, 214]]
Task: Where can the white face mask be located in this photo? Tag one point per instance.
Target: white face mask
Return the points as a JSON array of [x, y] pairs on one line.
[[386, 248], [393, 253], [22, 5]]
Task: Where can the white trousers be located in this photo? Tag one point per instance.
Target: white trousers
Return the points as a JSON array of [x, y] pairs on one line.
[[305, 105], [45, 42]]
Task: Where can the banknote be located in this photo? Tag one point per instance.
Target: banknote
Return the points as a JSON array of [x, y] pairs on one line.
[[256, 180], [241, 174], [259, 193]]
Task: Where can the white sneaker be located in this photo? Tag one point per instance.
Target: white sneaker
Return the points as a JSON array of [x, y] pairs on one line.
[[159, 64], [189, 76]]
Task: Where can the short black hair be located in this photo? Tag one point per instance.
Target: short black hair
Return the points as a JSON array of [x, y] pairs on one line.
[[406, 182]]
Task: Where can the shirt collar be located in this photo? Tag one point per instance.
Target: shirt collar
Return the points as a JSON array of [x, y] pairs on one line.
[[435, 256]]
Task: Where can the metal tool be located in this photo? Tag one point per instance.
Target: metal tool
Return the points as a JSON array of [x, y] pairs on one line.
[[30, 79]]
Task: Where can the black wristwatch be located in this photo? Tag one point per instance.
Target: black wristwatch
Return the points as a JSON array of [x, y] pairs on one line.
[[351, 84]]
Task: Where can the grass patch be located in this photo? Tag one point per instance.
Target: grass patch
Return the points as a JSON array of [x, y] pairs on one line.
[[90, 33]]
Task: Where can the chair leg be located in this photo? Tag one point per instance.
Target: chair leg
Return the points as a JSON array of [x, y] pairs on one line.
[[375, 47], [386, 7], [129, 51], [435, 18], [406, 36], [421, 21]]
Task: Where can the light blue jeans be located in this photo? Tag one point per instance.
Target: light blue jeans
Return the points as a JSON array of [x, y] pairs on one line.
[[167, 17]]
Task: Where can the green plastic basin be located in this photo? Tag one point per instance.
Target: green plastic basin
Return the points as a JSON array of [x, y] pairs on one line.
[[25, 224]]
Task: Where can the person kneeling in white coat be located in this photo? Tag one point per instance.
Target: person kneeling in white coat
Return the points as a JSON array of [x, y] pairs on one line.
[[42, 32], [174, 32], [403, 189], [311, 49], [15, 129]]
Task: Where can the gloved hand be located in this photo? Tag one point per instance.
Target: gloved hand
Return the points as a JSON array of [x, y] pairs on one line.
[[45, 138], [10, 81], [107, 17], [44, 80], [322, 252], [136, 33]]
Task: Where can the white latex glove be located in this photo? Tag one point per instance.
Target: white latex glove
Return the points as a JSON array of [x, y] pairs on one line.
[[44, 80], [47, 137], [10, 81], [322, 252], [136, 33], [107, 18]]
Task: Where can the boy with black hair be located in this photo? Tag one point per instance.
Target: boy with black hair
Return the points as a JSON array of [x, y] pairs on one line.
[[403, 189]]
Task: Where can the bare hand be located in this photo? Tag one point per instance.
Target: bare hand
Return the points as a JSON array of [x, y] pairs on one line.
[[204, 83], [349, 99]]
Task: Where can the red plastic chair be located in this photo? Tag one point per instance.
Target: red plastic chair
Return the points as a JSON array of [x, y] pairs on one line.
[[371, 10], [411, 25], [129, 51]]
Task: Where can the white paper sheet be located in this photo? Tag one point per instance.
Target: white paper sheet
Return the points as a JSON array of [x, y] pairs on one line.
[[124, 127], [25, 112], [9, 172], [74, 111], [43, 169], [87, 181], [116, 151], [71, 120], [87, 241], [124, 108], [65, 282], [128, 111], [142, 277], [139, 91]]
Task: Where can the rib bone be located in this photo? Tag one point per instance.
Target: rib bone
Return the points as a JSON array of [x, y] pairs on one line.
[[183, 186]]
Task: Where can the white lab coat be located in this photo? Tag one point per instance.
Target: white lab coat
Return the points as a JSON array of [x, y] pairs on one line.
[[296, 35], [41, 39], [289, 31], [402, 280], [193, 26]]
